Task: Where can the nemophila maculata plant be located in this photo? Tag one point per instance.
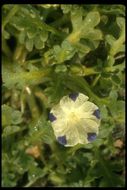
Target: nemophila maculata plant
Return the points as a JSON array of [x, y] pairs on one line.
[[54, 58]]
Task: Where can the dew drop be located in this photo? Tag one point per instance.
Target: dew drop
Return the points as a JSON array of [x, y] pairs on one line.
[[33, 176], [35, 128]]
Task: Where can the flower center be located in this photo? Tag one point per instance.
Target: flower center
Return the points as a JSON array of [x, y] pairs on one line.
[[72, 117]]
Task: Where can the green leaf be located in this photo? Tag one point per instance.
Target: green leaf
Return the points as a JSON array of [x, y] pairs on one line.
[[10, 116], [117, 45], [110, 39], [66, 8], [15, 76], [60, 68], [76, 18], [84, 28], [121, 23], [106, 170], [11, 171], [9, 130], [118, 110], [65, 52], [22, 37], [41, 131], [35, 173], [104, 112], [39, 44], [6, 115], [6, 35], [93, 34], [16, 117], [29, 44], [31, 32], [92, 19], [110, 60], [113, 95], [43, 35], [109, 178]]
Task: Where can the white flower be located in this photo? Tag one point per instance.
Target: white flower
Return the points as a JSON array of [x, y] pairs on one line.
[[75, 120]]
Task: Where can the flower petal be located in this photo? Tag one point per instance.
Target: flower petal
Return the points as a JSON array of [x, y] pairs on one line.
[[57, 111], [90, 125], [81, 99], [87, 109], [66, 104], [75, 136]]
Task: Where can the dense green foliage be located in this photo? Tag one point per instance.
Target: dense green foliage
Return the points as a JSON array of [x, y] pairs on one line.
[[49, 51]]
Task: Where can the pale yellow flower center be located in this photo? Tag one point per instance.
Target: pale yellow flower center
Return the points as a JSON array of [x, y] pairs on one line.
[[72, 117]]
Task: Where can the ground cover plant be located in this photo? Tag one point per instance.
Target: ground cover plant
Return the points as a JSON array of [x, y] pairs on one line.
[[48, 52]]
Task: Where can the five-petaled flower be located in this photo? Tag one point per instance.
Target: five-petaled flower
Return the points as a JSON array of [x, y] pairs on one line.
[[75, 120]]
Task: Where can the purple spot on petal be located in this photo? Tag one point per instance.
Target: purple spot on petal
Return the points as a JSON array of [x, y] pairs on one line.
[[91, 136], [97, 113], [52, 117], [73, 96], [62, 140]]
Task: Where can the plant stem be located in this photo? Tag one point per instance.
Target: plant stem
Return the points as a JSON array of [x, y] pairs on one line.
[[92, 71], [86, 88], [33, 105]]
